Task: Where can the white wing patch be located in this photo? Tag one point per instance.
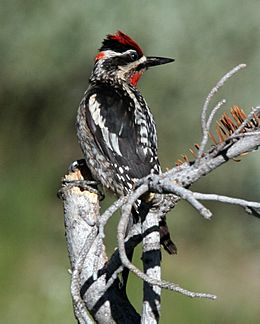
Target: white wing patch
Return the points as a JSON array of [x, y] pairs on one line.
[[94, 108], [111, 139], [114, 142]]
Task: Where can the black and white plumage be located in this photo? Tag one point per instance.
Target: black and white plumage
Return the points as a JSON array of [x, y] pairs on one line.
[[115, 127], [124, 135]]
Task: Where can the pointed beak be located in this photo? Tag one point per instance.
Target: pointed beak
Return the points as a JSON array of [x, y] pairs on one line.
[[153, 61]]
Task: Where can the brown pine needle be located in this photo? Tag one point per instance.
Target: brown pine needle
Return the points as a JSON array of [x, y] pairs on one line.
[[213, 138], [225, 127], [185, 158], [235, 116], [193, 153], [220, 136], [178, 162]]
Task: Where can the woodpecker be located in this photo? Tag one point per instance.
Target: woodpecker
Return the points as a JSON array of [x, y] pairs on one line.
[[115, 128]]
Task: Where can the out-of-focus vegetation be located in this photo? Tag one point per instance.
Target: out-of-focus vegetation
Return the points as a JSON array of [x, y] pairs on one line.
[[47, 50]]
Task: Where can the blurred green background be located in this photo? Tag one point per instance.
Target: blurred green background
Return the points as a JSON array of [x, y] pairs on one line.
[[47, 50]]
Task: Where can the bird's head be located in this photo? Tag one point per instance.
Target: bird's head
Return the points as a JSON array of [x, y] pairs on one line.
[[120, 59]]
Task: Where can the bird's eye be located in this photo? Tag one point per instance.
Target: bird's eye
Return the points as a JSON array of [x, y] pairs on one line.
[[133, 56]]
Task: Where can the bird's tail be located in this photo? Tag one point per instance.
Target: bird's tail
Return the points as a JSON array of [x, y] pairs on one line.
[[165, 237]]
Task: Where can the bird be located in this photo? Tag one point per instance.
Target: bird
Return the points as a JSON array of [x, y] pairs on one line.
[[115, 127]]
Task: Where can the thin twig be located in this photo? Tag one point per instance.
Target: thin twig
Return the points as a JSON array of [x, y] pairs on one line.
[[239, 134], [186, 194], [214, 111], [248, 134], [249, 117], [205, 137], [101, 222], [213, 91], [126, 212], [114, 264], [78, 303], [103, 219], [227, 200]]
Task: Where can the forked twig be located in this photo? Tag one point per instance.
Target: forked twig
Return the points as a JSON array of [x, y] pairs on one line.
[[126, 212], [205, 124]]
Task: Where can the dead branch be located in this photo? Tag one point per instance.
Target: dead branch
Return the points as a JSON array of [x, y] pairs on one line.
[[102, 298], [95, 285]]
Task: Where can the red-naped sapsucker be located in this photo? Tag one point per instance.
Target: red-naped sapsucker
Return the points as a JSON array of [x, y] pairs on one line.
[[115, 127]]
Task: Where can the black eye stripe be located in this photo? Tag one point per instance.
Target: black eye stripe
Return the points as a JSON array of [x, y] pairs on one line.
[[123, 59]]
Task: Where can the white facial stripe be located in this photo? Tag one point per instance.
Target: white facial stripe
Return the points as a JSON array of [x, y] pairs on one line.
[[132, 65], [109, 53]]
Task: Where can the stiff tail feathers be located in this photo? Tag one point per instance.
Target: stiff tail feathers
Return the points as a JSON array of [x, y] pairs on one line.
[[165, 237]]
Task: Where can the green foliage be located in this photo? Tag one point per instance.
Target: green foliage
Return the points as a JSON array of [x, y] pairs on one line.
[[47, 50]]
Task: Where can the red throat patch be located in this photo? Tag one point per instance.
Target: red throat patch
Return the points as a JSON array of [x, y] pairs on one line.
[[135, 78]]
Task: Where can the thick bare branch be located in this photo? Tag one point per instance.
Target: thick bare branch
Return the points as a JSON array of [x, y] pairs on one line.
[[102, 297]]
